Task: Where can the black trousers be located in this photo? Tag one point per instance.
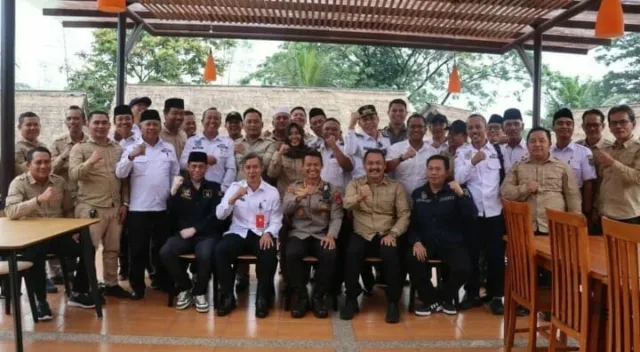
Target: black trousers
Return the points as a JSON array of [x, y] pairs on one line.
[[123, 256], [66, 249], [346, 231], [358, 249], [455, 258], [148, 231], [486, 237], [298, 271], [203, 246], [227, 251]]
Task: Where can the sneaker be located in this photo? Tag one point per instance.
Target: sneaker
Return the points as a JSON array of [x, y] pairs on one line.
[[81, 300], [51, 288], [184, 300], [449, 307], [426, 310], [116, 291], [44, 312], [202, 305], [496, 306]]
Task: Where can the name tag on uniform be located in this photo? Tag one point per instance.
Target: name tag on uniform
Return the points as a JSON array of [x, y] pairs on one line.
[[207, 193], [493, 156]]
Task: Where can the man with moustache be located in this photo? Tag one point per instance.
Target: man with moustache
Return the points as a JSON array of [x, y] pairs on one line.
[[437, 126], [101, 194], [380, 217], [280, 120], [233, 125], [315, 210], [479, 168], [515, 149], [171, 129], [495, 132], [356, 144], [219, 150], [317, 117], [189, 125], [396, 131], [151, 165], [254, 206], [337, 165], [29, 127]]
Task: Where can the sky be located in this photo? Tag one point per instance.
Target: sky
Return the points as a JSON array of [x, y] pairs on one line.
[[43, 47]]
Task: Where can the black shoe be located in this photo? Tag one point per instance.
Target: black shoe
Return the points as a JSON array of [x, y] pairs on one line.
[[426, 310], [116, 291], [393, 313], [546, 316], [300, 307], [320, 307], [51, 288], [136, 296], [242, 285], [470, 302], [81, 300], [227, 305], [486, 299], [496, 306], [44, 312], [349, 309], [262, 307], [449, 307], [57, 280]]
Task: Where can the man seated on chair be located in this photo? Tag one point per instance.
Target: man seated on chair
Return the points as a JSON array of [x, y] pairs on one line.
[[197, 230], [38, 193], [380, 216], [438, 217], [255, 223], [315, 210]]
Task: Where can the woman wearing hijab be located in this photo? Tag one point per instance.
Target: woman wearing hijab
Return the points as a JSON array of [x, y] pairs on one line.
[[286, 163]]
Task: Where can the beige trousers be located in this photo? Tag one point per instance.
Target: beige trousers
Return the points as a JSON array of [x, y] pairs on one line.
[[107, 232]]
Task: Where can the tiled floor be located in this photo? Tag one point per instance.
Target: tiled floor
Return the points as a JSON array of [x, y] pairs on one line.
[[149, 325]]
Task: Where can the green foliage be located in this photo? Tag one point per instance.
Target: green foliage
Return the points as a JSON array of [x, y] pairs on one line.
[[623, 60], [422, 74], [152, 60]]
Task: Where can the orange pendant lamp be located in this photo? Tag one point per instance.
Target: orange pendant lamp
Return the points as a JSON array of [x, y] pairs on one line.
[[454, 80], [610, 20], [210, 69], [112, 6]]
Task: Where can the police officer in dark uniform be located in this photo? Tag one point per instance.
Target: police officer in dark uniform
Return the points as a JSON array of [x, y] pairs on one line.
[[197, 229], [438, 217]]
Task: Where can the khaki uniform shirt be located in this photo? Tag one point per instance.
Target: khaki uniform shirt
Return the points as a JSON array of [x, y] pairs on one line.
[[602, 143], [178, 140], [316, 215], [386, 210], [98, 184], [286, 170], [21, 198], [262, 146], [619, 196], [557, 188], [22, 147], [60, 150]]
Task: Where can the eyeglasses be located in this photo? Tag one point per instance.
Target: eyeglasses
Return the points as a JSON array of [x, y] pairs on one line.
[[620, 123]]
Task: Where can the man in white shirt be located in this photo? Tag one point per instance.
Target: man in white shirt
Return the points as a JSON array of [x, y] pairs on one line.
[[337, 164], [408, 159], [516, 147], [219, 149], [255, 224], [356, 144], [151, 166], [478, 166], [438, 126]]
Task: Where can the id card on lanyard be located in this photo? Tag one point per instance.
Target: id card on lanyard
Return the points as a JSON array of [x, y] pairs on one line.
[[260, 219]]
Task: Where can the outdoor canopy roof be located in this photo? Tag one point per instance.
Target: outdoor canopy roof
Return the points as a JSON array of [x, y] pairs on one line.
[[485, 26]]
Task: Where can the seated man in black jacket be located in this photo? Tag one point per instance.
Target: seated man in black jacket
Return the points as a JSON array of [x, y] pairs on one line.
[[197, 229], [436, 230]]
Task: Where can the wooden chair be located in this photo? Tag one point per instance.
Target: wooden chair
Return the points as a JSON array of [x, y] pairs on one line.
[[190, 258], [22, 267], [622, 244], [571, 286], [432, 264], [523, 278]]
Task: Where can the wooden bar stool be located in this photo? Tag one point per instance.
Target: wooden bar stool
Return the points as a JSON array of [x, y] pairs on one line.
[[22, 267]]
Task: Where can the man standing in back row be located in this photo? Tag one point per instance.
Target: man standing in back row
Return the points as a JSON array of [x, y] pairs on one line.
[[172, 128]]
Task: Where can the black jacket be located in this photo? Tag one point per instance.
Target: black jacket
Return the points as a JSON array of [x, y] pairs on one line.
[[196, 208], [440, 218]]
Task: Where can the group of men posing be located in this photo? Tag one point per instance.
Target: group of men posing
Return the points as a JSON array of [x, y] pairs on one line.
[[387, 194]]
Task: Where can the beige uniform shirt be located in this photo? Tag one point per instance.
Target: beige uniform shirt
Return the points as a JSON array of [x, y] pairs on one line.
[[21, 198], [22, 147], [178, 140], [619, 195], [60, 150], [316, 215], [386, 210], [557, 188], [602, 143], [98, 184], [286, 170], [262, 146]]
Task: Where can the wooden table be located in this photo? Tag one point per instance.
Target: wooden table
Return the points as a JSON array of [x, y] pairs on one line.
[[16, 235]]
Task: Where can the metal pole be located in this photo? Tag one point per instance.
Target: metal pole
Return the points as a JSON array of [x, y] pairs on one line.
[[121, 58], [537, 77], [7, 89]]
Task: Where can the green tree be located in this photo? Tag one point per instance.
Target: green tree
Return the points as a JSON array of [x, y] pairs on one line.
[[152, 60], [422, 74], [623, 60]]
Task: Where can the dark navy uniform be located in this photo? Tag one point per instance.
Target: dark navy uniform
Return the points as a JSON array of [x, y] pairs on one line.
[[438, 222], [191, 207]]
